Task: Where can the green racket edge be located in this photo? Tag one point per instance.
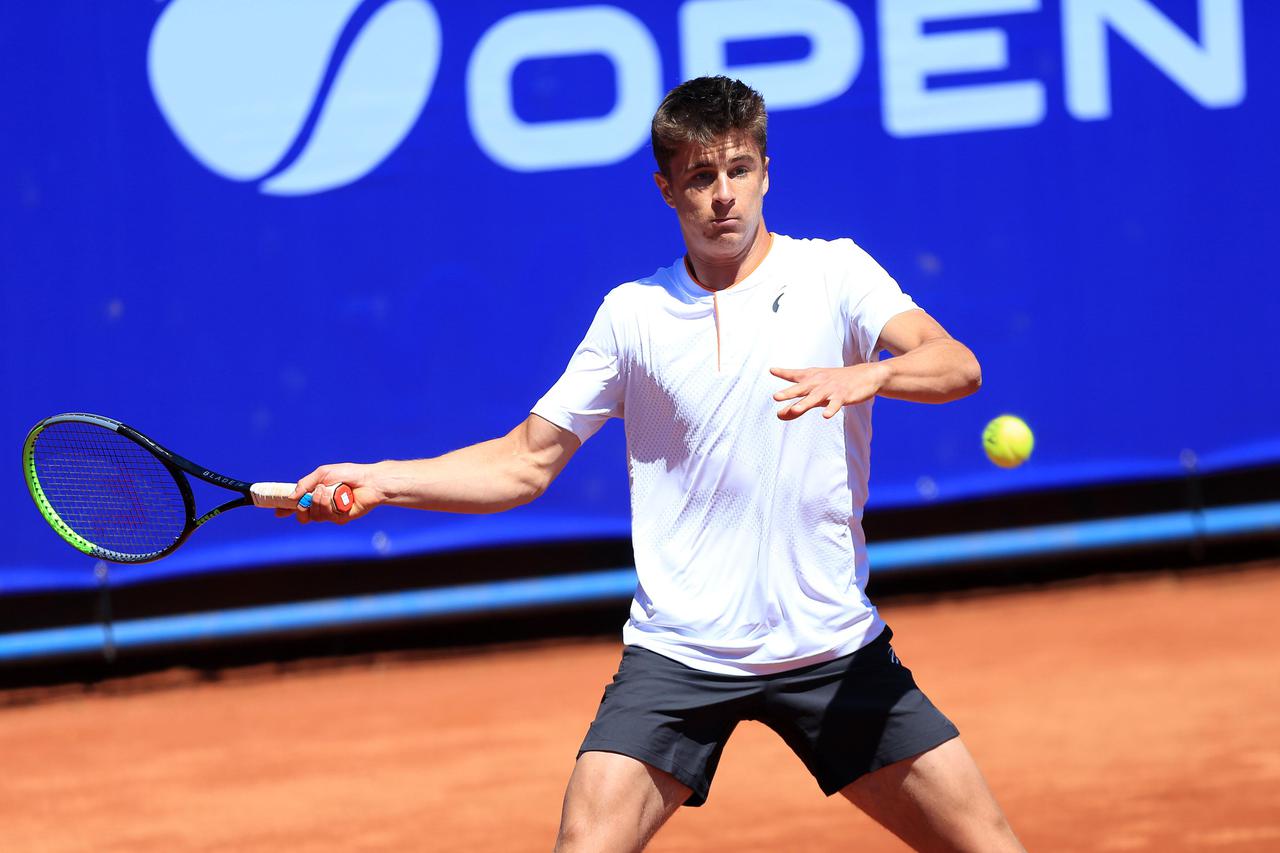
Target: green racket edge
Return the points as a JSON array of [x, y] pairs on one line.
[[55, 521]]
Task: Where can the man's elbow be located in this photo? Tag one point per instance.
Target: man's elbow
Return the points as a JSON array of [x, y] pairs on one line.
[[531, 483], [970, 374], [963, 373], [535, 489]]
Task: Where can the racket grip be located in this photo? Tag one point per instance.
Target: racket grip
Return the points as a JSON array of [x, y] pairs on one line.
[[277, 496]]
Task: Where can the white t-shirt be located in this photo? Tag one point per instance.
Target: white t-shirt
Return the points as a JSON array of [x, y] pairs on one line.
[[747, 529]]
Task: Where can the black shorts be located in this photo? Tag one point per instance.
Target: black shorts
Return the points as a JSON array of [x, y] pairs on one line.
[[844, 718]]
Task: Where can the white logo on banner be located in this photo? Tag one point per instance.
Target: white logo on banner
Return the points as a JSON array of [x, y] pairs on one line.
[[257, 90], [238, 81]]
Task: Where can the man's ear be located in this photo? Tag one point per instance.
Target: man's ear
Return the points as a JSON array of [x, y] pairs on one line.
[[765, 189], [664, 187]]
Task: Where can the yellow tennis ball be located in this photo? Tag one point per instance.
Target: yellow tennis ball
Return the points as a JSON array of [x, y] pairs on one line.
[[1008, 441]]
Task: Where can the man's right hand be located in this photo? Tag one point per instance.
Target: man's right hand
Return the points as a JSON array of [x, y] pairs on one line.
[[321, 483]]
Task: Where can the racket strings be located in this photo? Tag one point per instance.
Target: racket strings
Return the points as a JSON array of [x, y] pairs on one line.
[[108, 489]]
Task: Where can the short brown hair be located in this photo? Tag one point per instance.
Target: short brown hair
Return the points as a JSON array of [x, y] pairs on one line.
[[704, 109]]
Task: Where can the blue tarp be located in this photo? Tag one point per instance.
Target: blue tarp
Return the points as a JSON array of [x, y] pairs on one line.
[[278, 234]]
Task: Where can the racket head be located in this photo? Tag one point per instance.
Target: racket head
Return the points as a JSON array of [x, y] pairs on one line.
[[104, 491]]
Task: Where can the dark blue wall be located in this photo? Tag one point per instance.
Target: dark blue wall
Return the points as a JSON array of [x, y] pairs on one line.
[[275, 234]]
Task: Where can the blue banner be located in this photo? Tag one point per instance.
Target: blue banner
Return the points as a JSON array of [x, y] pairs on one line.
[[276, 233]]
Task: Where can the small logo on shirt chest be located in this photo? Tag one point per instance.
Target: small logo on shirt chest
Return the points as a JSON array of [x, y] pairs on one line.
[[781, 294]]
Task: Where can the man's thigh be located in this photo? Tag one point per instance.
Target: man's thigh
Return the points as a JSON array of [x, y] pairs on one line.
[[614, 802], [937, 800]]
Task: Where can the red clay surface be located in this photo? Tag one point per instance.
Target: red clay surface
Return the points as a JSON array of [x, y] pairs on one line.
[[1141, 715]]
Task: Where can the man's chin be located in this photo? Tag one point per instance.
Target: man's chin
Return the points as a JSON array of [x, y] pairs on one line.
[[726, 242]]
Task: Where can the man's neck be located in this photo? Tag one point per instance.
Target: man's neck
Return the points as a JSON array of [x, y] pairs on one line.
[[723, 273]]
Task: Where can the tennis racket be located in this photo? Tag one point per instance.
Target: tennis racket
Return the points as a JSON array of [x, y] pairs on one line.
[[115, 494]]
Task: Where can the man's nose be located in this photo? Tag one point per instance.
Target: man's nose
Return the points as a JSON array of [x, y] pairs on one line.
[[722, 193]]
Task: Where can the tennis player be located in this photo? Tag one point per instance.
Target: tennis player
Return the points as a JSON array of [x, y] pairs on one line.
[[745, 374]]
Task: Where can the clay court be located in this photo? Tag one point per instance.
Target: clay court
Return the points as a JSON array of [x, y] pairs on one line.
[[1115, 715]]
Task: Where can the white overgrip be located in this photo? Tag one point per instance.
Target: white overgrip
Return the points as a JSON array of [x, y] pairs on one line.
[[273, 495]]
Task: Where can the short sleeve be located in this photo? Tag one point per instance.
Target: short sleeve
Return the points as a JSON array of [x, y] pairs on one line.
[[872, 297], [591, 389]]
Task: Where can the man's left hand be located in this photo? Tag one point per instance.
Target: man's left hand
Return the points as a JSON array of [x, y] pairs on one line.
[[829, 387]]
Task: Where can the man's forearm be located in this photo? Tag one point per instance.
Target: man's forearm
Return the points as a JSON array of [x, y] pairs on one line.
[[937, 371], [488, 477]]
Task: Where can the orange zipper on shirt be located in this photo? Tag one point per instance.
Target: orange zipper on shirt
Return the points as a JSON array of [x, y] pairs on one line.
[[715, 311], [715, 302], [715, 306]]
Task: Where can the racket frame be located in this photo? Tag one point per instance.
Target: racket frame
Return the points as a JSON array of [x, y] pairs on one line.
[[176, 465]]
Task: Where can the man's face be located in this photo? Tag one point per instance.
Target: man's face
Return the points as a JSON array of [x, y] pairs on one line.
[[718, 192]]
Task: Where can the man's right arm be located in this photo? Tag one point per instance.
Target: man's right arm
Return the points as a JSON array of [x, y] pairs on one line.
[[487, 477]]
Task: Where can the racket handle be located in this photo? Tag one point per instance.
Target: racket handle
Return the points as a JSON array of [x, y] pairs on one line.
[[277, 496]]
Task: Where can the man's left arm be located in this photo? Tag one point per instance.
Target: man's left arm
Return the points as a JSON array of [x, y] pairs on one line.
[[929, 366]]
